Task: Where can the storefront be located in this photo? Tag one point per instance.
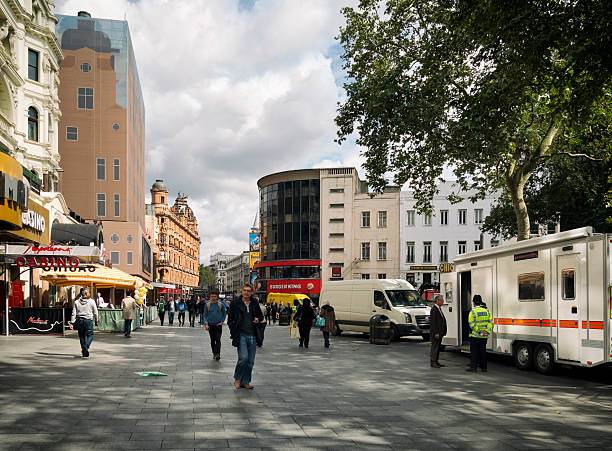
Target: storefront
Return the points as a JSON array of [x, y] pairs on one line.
[[297, 276]]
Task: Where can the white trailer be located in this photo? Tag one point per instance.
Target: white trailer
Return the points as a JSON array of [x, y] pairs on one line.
[[550, 297]]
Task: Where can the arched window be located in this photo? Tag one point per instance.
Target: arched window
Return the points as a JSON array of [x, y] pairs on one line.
[[32, 124]]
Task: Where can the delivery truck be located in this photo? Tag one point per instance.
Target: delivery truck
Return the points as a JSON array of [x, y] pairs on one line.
[[550, 297]]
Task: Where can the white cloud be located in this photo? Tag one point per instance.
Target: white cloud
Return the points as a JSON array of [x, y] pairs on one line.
[[231, 95]]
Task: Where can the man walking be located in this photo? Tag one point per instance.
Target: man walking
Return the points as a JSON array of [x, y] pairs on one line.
[[161, 308], [171, 308], [214, 315], [437, 329], [274, 312], [244, 316], [128, 304], [182, 308], [481, 325], [191, 309], [84, 315]]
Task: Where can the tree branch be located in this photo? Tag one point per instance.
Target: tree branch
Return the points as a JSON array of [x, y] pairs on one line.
[[574, 155]]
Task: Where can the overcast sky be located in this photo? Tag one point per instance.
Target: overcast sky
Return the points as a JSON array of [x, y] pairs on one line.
[[234, 90]]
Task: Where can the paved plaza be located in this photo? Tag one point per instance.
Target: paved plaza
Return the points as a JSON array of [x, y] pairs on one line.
[[354, 395]]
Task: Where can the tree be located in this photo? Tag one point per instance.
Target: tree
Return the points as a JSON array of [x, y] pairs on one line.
[[490, 90], [207, 277]]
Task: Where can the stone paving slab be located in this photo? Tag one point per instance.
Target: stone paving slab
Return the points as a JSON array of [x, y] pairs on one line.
[[352, 396]]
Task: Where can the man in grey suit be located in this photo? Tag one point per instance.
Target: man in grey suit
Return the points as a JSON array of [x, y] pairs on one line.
[[437, 331]]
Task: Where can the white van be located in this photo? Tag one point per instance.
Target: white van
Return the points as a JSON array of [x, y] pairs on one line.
[[356, 301]]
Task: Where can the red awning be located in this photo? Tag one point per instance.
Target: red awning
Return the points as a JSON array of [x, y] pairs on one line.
[[289, 263]]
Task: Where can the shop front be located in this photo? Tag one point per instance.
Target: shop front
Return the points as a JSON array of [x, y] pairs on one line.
[[297, 277]]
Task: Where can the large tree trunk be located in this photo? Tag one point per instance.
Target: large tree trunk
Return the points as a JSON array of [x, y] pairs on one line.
[[520, 207]]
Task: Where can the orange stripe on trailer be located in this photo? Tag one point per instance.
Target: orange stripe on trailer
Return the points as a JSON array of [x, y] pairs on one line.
[[527, 322], [592, 325], [564, 323]]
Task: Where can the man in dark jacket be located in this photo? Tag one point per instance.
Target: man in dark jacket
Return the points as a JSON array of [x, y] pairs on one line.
[[191, 309], [243, 319], [437, 330], [274, 312]]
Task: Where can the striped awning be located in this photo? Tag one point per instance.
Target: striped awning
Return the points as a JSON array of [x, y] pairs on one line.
[[102, 276]]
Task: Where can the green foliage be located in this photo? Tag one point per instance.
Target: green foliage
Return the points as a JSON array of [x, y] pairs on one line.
[[207, 277], [491, 89]]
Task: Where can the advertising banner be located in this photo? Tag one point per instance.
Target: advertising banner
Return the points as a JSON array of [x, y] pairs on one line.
[[35, 224], [254, 256], [45, 321], [294, 286]]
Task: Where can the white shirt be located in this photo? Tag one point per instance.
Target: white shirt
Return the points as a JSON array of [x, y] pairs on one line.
[[441, 312]]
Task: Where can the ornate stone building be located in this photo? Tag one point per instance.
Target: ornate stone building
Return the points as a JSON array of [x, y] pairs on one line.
[[178, 242]]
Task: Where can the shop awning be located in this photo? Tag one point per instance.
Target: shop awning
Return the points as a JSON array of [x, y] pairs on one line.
[[102, 276]]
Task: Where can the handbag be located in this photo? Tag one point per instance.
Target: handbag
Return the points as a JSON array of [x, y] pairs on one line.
[[320, 322], [295, 332]]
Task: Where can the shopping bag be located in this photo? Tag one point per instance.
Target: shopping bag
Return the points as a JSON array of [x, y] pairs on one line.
[[320, 322], [295, 332]]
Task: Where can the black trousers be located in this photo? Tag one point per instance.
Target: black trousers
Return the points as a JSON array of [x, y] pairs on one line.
[[304, 334], [191, 318], [434, 353], [326, 339], [162, 315], [478, 349], [215, 338], [181, 318]]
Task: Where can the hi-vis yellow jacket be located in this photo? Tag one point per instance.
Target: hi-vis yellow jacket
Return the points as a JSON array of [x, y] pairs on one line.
[[481, 322]]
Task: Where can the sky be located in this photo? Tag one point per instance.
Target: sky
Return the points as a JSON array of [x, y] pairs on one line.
[[234, 90]]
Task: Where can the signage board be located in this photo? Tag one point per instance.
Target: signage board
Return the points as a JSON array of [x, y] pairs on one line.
[[294, 286], [35, 224], [254, 255], [423, 268], [13, 193], [447, 267], [45, 321]]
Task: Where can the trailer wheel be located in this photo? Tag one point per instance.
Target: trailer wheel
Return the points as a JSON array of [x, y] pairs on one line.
[[523, 356], [544, 359]]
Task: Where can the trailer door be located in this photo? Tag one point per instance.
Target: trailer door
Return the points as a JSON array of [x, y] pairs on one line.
[[568, 307], [450, 308]]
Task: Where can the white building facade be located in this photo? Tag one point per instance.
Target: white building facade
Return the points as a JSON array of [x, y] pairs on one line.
[[218, 261], [427, 241]]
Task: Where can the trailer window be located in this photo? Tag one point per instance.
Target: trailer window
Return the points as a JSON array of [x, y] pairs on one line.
[[531, 286], [569, 284]]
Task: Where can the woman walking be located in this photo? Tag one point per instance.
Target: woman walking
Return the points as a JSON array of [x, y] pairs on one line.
[[84, 315], [304, 317], [327, 313], [161, 308]]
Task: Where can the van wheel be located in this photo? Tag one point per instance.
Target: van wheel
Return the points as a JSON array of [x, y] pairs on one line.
[[426, 337], [337, 331], [395, 335], [544, 359], [523, 356]]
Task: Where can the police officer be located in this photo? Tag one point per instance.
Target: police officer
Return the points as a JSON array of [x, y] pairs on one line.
[[481, 325]]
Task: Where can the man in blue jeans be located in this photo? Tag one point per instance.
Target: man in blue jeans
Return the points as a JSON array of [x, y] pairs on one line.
[[84, 314], [244, 316]]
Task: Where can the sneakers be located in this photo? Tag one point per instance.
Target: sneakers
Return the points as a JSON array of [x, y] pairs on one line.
[[85, 352]]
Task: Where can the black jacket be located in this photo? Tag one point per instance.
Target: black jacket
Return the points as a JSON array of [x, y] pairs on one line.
[[437, 322], [305, 315], [237, 310]]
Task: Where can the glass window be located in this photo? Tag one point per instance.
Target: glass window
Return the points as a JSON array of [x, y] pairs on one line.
[[336, 220], [114, 257], [409, 251], [85, 67], [426, 220], [531, 286], [129, 258], [336, 205], [32, 64], [336, 190], [379, 299], [410, 218], [427, 252], [114, 238], [382, 251], [336, 249], [478, 218], [569, 284], [32, 124], [462, 217], [382, 276], [382, 219], [85, 100], [443, 217], [129, 238], [116, 169], [365, 276], [443, 251], [551, 228], [365, 219], [365, 251], [462, 247], [100, 168], [72, 133], [477, 245], [116, 205], [101, 204], [494, 243], [336, 235], [116, 127]]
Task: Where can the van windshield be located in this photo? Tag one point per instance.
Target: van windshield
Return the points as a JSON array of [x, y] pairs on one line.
[[405, 298]]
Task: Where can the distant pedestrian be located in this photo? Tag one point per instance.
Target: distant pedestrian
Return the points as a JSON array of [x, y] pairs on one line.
[[99, 300], [128, 304], [171, 311], [437, 330], [304, 317], [274, 312], [161, 310], [182, 308], [200, 308], [268, 313], [329, 315], [84, 316], [214, 315], [244, 316], [191, 309], [481, 325]]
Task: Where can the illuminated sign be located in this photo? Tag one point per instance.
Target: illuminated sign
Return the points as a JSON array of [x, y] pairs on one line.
[[447, 267], [35, 224], [13, 192]]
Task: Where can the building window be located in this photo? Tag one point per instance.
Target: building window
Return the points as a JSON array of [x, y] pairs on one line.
[[115, 257], [117, 205], [462, 247], [409, 251], [427, 252], [115, 127], [410, 278], [336, 249], [114, 238], [336, 205], [410, 218], [382, 251], [531, 286], [72, 133], [443, 217], [85, 67], [494, 243], [336, 235], [129, 239], [382, 276], [443, 251], [101, 204], [129, 258], [568, 284], [85, 99], [332, 220], [426, 220], [100, 168], [365, 251], [116, 169], [462, 217], [162, 199], [32, 65], [382, 219], [365, 219], [478, 217], [477, 245], [365, 276], [32, 124], [336, 190]]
